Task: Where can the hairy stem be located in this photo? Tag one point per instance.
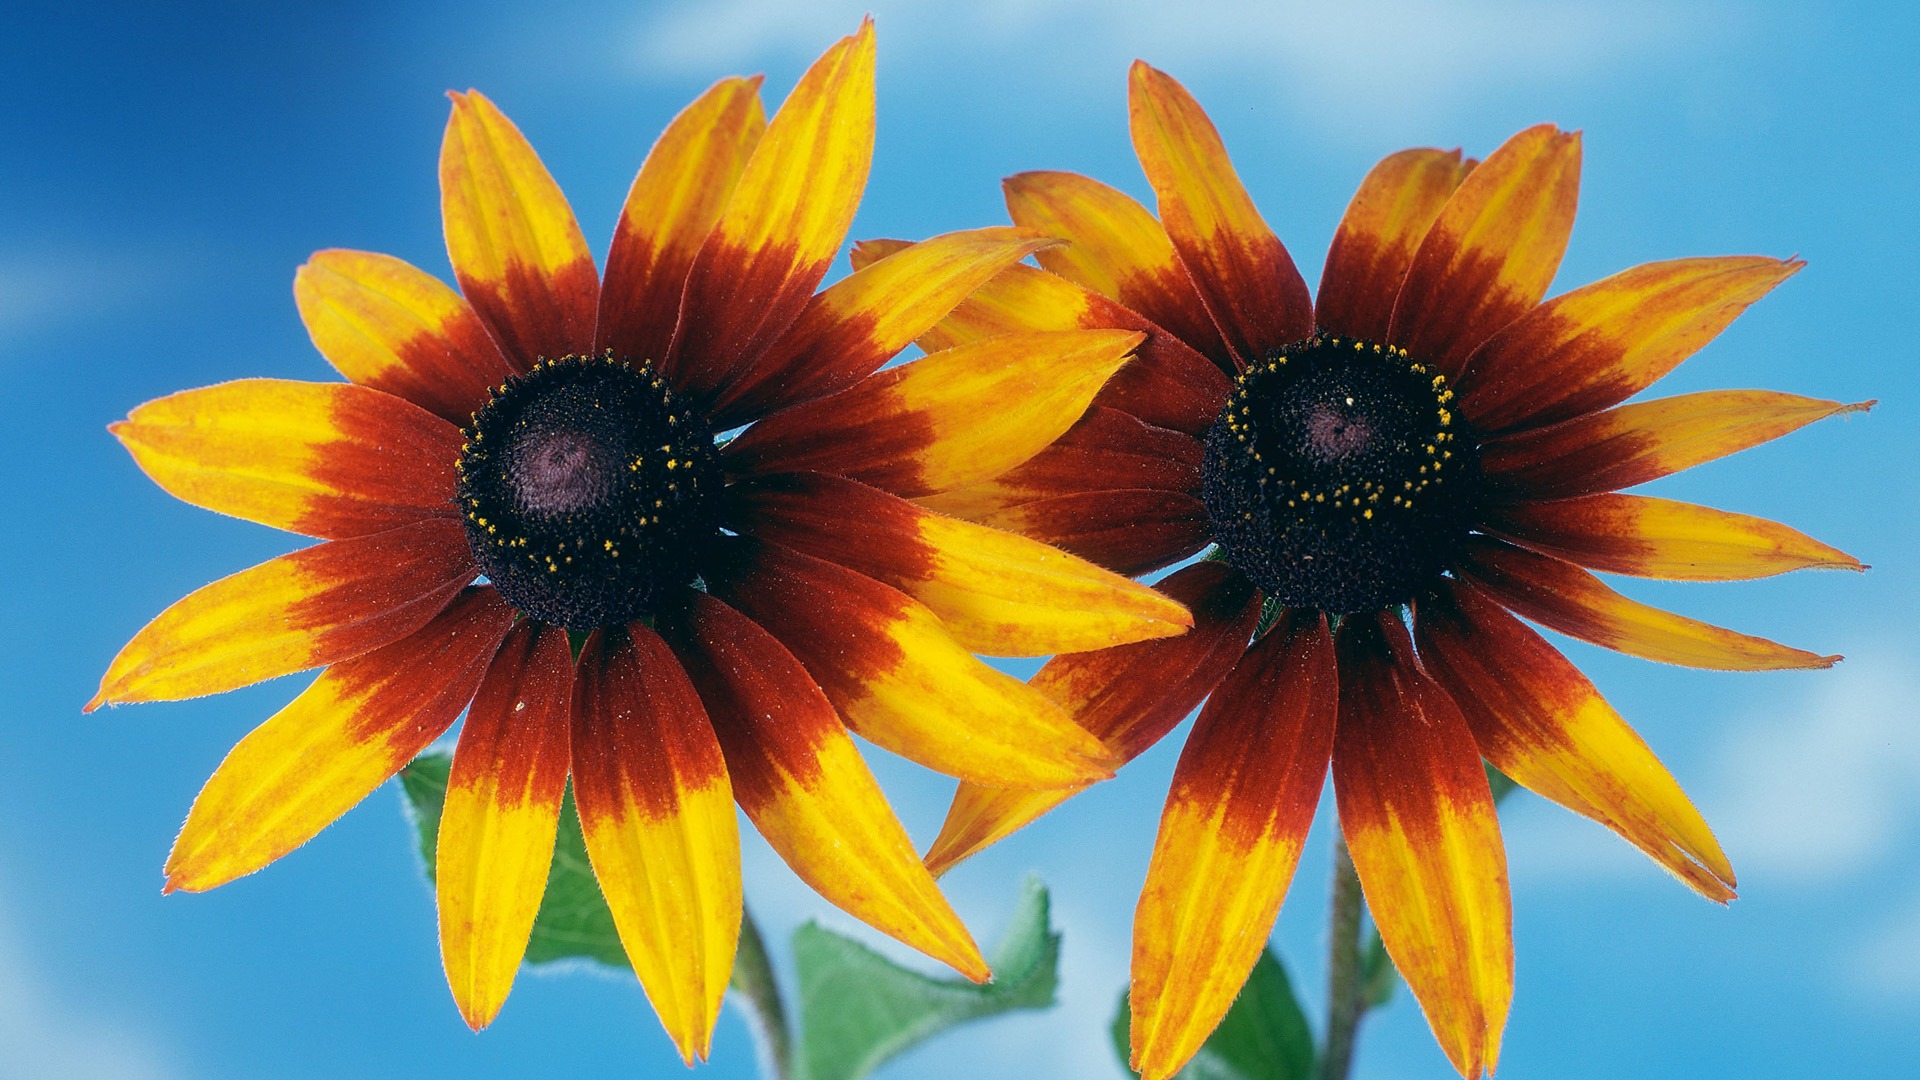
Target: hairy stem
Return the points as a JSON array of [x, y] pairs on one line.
[[753, 977], [1346, 992]]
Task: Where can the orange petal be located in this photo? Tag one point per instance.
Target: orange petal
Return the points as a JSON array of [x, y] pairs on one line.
[[656, 808], [1240, 268], [1128, 531], [359, 722], [1114, 247], [1383, 226], [1644, 441], [1243, 796], [322, 459], [503, 805], [787, 217], [1494, 249], [314, 607], [898, 677], [686, 182], [516, 248], [395, 328], [997, 593], [1107, 450], [801, 780], [847, 332], [1419, 822], [1566, 598], [1602, 344], [1539, 721], [1660, 538], [1130, 696], [948, 420]]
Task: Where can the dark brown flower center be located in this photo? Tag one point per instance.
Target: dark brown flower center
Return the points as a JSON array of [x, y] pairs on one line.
[[1340, 476], [588, 489]]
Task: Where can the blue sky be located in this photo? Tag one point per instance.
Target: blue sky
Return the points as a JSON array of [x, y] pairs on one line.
[[166, 171]]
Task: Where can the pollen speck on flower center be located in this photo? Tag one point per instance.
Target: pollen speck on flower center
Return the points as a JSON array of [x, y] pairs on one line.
[[1340, 476]]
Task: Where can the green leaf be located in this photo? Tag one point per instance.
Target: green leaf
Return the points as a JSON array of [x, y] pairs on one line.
[[574, 922], [1264, 1035], [1499, 783], [858, 1009]]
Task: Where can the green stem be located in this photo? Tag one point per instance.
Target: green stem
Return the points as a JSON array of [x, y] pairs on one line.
[[1346, 992], [753, 977]]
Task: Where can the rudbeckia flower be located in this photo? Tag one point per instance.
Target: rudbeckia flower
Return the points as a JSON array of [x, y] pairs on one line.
[[536, 457], [1389, 475]]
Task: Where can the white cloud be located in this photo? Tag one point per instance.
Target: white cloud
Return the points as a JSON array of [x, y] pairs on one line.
[[45, 1036], [1374, 61]]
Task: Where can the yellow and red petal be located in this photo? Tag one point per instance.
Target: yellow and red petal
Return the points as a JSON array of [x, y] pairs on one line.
[[996, 592], [1106, 450], [359, 722], [1646, 440], [385, 324], [1129, 696], [1382, 228], [1130, 531], [1660, 538], [1243, 796], [323, 604], [1599, 345], [1419, 822], [799, 777], [1116, 248], [1563, 597], [497, 829], [656, 808], [848, 331], [899, 679], [1242, 271], [516, 249], [321, 459], [678, 195], [788, 215], [947, 420], [1541, 722], [1168, 384], [1491, 254]]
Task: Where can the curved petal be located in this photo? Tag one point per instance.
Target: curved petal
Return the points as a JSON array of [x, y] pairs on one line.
[[1382, 228], [801, 780], [947, 420], [387, 325], [1240, 268], [516, 249], [898, 678], [1106, 450], [314, 607], [1168, 384], [1539, 721], [997, 593], [497, 828], [1493, 250], [1660, 538], [848, 331], [1243, 796], [787, 217], [321, 459], [678, 195], [1566, 598], [1129, 531], [1130, 696], [359, 722], [1598, 346], [1418, 820], [1644, 441], [656, 808], [1116, 248]]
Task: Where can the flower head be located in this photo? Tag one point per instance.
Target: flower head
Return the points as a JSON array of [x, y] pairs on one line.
[[526, 516], [1384, 477]]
